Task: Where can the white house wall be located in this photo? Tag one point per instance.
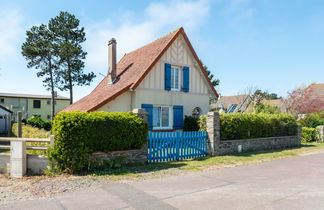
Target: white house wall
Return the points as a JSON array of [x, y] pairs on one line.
[[120, 104], [151, 89]]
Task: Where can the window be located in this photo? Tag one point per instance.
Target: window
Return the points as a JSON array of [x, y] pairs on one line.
[[196, 112], [36, 104], [161, 117], [48, 117], [232, 108], [1, 100], [49, 102], [175, 78]]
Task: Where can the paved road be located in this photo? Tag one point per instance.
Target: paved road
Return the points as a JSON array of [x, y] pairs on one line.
[[294, 183]]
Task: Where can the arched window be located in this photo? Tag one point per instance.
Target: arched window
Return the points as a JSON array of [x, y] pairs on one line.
[[196, 112]]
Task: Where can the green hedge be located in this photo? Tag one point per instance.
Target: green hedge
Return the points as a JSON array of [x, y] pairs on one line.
[[309, 134], [38, 122], [190, 124], [248, 126], [77, 134], [312, 120]]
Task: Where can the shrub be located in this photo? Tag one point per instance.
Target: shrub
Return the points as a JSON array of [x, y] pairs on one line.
[[78, 134], [190, 124], [312, 120], [248, 126], [266, 109], [309, 134], [38, 122], [202, 123]]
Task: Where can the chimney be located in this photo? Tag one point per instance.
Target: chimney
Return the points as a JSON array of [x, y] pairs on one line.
[[112, 60]]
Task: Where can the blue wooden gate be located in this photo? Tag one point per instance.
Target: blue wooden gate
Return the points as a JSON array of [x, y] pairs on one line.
[[173, 146]]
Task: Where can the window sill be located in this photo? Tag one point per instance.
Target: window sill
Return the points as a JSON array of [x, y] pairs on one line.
[[163, 130]]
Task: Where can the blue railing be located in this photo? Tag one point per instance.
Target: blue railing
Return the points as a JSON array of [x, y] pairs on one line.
[[173, 146]]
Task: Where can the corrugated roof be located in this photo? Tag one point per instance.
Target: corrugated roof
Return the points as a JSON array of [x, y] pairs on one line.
[[21, 95], [131, 70]]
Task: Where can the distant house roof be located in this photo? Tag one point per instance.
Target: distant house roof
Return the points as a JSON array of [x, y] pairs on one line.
[[19, 95], [131, 70], [227, 102], [4, 108]]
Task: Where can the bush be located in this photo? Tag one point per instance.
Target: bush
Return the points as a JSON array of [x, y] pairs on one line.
[[78, 134], [190, 124], [309, 134], [266, 109], [248, 126], [202, 123], [38, 122], [312, 120]]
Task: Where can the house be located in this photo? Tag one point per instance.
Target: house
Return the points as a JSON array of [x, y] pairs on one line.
[[5, 119], [231, 104], [164, 77], [32, 105]]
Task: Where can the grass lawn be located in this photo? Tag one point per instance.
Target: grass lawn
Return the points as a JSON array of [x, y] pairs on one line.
[[208, 163]]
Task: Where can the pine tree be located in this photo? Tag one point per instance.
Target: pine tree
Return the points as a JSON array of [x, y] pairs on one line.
[[69, 37]]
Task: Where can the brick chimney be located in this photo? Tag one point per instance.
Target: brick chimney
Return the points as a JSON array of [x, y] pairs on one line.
[[112, 60]]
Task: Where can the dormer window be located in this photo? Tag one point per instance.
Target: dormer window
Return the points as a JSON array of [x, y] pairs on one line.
[[175, 78]]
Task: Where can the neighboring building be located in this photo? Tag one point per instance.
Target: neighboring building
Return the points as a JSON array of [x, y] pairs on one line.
[[280, 103], [231, 104], [164, 77], [32, 105], [5, 116]]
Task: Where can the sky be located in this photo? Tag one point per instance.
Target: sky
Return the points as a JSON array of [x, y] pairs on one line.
[[274, 45]]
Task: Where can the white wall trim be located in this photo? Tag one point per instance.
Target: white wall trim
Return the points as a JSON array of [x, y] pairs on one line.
[[174, 92]]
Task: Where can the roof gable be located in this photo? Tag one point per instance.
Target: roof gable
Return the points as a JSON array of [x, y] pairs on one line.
[[131, 70]]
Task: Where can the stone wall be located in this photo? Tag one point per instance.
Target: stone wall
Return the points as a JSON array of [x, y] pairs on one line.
[[117, 158], [245, 145]]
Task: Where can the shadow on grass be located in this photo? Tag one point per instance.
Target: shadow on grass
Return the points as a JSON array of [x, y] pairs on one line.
[[137, 169], [258, 152]]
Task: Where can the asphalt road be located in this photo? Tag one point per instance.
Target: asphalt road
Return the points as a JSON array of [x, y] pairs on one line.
[[293, 183]]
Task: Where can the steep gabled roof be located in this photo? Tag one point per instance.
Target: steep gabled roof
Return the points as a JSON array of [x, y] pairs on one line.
[[227, 101], [131, 70]]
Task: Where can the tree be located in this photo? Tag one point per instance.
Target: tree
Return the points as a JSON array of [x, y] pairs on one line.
[[39, 50], [300, 101], [69, 37], [215, 82]]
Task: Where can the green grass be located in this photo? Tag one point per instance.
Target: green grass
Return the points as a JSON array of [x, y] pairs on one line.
[[208, 163]]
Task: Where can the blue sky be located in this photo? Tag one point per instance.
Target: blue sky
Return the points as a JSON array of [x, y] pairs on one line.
[[275, 45]]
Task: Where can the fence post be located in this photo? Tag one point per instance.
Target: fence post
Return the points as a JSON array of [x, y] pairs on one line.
[[299, 134], [213, 130], [18, 163], [141, 113], [320, 130], [52, 139]]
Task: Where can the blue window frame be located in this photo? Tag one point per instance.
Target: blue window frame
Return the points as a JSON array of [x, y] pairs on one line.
[[232, 108]]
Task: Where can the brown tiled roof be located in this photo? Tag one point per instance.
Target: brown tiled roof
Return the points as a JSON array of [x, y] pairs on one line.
[[131, 70], [228, 101]]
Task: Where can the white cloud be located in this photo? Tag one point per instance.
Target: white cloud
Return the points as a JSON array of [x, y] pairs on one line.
[[157, 19], [10, 30]]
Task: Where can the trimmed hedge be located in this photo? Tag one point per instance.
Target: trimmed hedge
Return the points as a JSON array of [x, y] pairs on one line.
[[309, 134], [248, 126], [190, 124], [313, 120], [38, 122], [78, 134]]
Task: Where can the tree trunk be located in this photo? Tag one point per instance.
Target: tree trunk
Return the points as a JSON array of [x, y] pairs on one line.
[[52, 89], [70, 82]]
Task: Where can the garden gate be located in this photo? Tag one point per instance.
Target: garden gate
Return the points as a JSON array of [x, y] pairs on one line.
[[173, 146]]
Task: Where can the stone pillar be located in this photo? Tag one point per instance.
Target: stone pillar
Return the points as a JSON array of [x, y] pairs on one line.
[[19, 121], [141, 113], [299, 135], [320, 130], [52, 141], [18, 158], [213, 130]]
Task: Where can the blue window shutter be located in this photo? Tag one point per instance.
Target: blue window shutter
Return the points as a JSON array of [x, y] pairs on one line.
[[177, 117], [167, 76], [149, 109], [185, 85]]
